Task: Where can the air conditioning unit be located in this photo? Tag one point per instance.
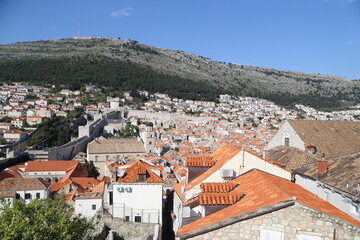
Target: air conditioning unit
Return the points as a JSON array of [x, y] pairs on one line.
[[120, 189], [227, 173]]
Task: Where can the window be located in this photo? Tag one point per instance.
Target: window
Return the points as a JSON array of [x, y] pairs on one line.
[[93, 207], [27, 196], [271, 234], [37, 195], [142, 177], [286, 141], [96, 158], [127, 218], [17, 196], [137, 218], [110, 198]]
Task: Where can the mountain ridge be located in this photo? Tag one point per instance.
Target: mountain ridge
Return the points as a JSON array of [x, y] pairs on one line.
[[233, 78]]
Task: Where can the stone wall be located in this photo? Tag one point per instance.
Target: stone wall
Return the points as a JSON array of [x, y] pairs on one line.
[[132, 230], [165, 116], [294, 220]]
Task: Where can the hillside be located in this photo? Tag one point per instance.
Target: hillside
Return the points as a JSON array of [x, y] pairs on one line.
[[125, 64]]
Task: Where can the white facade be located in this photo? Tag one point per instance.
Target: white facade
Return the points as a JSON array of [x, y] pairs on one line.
[[14, 136], [334, 196], [137, 202], [88, 207], [240, 164], [52, 175], [286, 132], [26, 196]]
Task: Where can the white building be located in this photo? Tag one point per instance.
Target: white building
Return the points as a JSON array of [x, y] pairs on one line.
[[14, 135], [23, 189], [89, 204], [135, 194]]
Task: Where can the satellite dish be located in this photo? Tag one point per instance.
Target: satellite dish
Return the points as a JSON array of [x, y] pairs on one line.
[[120, 173]]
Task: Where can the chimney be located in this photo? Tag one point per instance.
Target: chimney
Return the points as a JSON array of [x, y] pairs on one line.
[[266, 154], [114, 177], [322, 167]]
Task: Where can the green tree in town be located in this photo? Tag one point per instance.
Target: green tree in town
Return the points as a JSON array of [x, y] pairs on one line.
[[42, 219], [90, 169]]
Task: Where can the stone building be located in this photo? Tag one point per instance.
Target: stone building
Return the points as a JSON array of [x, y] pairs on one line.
[[325, 157], [102, 149], [260, 206], [148, 136], [323, 139]]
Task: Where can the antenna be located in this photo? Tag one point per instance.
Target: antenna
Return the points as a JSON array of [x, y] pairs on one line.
[[79, 30], [120, 173]]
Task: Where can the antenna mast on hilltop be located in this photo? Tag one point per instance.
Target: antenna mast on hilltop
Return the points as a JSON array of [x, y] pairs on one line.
[[78, 31]]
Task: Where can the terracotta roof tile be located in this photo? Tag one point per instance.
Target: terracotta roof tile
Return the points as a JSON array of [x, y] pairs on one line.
[[140, 167], [222, 154], [219, 198], [11, 184], [178, 189], [57, 186], [262, 189], [9, 174], [42, 166], [217, 187], [342, 137]]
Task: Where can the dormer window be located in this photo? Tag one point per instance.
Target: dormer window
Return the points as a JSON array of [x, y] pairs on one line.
[[142, 177]]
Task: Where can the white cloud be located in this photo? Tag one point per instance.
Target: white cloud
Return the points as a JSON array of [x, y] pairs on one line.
[[122, 12]]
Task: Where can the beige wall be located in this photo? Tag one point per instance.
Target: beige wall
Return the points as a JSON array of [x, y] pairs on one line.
[[252, 161], [241, 163]]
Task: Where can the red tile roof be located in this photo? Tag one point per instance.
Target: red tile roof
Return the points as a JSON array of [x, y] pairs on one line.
[[262, 189], [217, 187], [12, 184], [57, 186], [140, 167], [221, 155], [219, 198], [201, 163], [178, 189], [43, 166], [9, 174]]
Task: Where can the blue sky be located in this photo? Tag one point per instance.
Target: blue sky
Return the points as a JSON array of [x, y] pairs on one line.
[[314, 36]]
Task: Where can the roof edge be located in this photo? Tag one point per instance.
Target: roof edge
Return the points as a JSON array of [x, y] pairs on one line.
[[232, 220]]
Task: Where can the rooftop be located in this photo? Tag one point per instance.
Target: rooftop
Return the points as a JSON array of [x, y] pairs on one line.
[[342, 137], [261, 190]]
